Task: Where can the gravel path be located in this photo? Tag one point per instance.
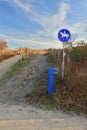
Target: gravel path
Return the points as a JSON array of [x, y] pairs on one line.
[[6, 64], [14, 107]]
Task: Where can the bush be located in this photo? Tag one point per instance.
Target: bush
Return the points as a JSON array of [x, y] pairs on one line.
[[71, 92], [5, 56], [78, 53]]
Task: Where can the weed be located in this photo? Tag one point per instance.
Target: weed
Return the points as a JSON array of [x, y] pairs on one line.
[[52, 107], [16, 68]]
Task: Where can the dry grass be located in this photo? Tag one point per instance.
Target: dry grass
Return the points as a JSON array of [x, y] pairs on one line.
[[24, 52], [5, 56], [70, 93]]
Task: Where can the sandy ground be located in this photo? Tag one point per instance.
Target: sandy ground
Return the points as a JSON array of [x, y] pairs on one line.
[[16, 113], [6, 64]]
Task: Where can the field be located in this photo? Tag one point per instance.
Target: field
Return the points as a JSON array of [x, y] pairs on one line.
[[71, 91]]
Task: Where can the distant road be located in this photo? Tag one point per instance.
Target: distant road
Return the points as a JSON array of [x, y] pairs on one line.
[[6, 64]]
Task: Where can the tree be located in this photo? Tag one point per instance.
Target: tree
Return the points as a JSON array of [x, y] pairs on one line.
[[3, 45], [81, 43], [71, 42]]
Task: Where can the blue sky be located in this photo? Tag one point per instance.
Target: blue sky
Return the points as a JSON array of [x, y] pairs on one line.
[[35, 23]]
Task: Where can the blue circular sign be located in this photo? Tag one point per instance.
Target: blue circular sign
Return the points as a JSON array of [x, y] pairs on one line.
[[64, 35]]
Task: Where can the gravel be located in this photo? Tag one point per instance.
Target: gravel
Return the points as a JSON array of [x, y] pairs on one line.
[[6, 64], [13, 92]]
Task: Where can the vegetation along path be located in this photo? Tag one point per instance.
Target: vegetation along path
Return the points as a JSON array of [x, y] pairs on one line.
[[16, 112], [6, 64]]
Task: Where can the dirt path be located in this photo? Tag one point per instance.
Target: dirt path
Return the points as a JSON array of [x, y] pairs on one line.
[[23, 116], [6, 64]]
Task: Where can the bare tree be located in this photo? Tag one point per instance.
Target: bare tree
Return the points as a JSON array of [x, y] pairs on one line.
[[3, 45], [71, 42]]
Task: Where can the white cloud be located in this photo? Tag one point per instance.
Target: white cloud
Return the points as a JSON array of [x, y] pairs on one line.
[[79, 27], [63, 11], [50, 23], [24, 5], [34, 43]]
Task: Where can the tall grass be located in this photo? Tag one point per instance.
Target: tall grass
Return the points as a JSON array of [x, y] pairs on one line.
[[71, 92], [5, 56]]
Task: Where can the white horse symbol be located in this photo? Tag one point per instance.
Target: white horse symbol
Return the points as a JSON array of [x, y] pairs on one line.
[[64, 35]]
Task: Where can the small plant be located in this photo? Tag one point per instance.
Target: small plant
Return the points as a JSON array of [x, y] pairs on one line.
[[16, 68], [52, 107]]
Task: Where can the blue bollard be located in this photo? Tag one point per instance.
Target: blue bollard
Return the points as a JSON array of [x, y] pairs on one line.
[[51, 72]]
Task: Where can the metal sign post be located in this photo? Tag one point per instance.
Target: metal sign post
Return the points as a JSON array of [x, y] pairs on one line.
[[63, 62], [64, 36]]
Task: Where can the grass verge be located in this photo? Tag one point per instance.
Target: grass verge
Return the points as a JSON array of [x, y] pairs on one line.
[[16, 68], [70, 93]]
